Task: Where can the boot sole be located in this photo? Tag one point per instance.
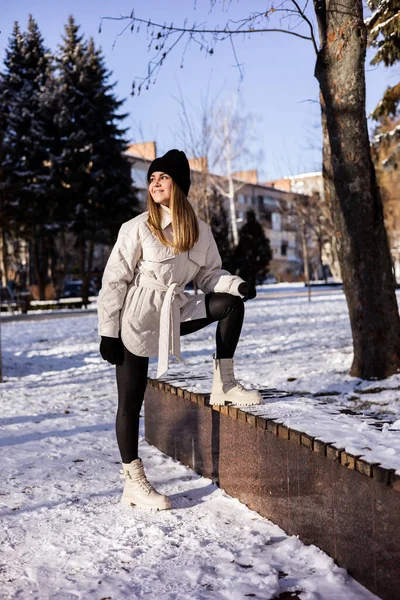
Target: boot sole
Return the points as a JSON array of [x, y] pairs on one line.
[[217, 401], [221, 401], [128, 502]]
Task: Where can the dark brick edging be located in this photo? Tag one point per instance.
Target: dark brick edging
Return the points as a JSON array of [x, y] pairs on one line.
[[371, 470]]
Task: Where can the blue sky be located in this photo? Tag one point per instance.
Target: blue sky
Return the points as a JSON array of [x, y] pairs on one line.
[[278, 86]]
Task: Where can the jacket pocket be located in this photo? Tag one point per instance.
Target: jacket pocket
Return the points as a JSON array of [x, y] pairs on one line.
[[157, 253], [198, 256]]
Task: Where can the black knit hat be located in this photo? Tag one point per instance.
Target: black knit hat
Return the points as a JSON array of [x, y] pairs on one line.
[[175, 164]]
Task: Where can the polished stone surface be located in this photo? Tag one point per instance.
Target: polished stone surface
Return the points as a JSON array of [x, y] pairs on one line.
[[352, 517]]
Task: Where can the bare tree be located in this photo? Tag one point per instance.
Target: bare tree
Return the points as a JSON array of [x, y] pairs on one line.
[[232, 133], [350, 180], [386, 156], [217, 137], [303, 210], [195, 135]]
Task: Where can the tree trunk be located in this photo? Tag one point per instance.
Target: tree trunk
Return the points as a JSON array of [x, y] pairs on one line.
[[40, 262], [231, 192], [333, 257], [86, 264], [3, 257], [306, 258], [89, 265], [1, 357], [64, 260], [82, 266], [353, 192], [322, 267]]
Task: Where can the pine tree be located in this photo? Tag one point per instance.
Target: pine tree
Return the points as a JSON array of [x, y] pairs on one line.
[[25, 149], [11, 81], [253, 253], [219, 223], [96, 175], [10, 84], [384, 30], [384, 35], [110, 172]]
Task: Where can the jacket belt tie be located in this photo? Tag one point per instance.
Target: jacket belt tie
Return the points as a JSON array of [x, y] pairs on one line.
[[169, 341]]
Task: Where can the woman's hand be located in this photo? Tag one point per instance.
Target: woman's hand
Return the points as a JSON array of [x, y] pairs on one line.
[[248, 290], [112, 350]]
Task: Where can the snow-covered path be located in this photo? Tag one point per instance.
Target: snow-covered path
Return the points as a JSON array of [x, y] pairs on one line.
[[64, 535]]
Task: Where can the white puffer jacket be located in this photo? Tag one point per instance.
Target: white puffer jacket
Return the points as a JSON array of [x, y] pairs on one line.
[[142, 294]]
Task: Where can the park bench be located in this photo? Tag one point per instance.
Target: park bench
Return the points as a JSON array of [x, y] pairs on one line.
[[8, 301]]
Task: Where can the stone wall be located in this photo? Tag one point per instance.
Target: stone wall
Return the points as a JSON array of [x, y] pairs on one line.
[[339, 502]]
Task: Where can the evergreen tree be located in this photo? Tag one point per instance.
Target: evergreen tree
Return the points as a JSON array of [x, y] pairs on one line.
[[253, 253], [10, 84], [11, 81], [95, 173], [219, 223], [25, 152], [384, 35]]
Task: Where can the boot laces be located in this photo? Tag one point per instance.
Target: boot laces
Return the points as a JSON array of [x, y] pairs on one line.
[[145, 485], [141, 480], [231, 375]]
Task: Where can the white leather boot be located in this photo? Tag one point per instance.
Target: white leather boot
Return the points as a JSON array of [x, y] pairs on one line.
[[226, 389], [138, 491]]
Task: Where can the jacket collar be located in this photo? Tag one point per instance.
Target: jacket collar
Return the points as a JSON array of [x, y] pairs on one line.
[[166, 217]]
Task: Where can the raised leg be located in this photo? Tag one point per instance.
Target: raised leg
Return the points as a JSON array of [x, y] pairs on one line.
[[228, 310]]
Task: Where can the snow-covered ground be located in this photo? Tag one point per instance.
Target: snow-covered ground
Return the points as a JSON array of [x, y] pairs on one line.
[[64, 535], [305, 350]]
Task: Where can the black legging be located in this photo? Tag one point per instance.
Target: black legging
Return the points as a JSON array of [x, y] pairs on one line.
[[228, 310]]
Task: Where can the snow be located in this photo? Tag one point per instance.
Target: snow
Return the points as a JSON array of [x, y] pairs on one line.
[[381, 137], [380, 26], [65, 536], [303, 349]]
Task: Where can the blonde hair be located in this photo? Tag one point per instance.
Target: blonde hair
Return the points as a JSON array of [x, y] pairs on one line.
[[185, 225]]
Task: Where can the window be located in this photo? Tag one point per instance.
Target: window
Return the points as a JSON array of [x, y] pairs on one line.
[[241, 199], [284, 248], [267, 217], [276, 221]]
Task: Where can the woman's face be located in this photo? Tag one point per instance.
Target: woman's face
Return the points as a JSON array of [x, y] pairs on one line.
[[160, 187]]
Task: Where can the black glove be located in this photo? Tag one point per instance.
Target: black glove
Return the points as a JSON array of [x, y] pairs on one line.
[[248, 290], [112, 350]]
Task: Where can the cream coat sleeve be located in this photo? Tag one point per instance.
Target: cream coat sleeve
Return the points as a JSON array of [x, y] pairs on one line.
[[118, 273], [211, 277]]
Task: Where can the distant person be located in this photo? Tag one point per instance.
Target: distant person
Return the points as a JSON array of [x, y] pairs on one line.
[[143, 308]]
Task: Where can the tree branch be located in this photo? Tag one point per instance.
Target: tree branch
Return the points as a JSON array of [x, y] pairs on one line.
[[307, 20], [172, 29], [159, 33]]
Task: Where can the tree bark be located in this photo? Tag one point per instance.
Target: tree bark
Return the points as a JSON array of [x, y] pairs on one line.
[[231, 192], [353, 192], [86, 265], [306, 257], [40, 261], [3, 257], [82, 268]]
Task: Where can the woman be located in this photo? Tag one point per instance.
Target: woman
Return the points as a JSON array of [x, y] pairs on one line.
[[143, 308]]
